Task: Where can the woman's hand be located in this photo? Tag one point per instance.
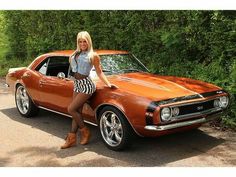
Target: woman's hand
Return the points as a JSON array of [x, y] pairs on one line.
[[101, 75], [113, 86]]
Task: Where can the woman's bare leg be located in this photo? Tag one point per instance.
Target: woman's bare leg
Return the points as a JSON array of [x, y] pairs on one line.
[[74, 125], [77, 104], [75, 109]]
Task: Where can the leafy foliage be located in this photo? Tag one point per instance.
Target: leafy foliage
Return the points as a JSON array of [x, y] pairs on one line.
[[3, 37]]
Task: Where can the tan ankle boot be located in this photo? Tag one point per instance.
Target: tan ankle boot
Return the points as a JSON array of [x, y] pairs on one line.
[[84, 135], [71, 140]]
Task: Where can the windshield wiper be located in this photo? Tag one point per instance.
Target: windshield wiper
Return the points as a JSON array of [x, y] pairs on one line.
[[127, 70], [106, 70]]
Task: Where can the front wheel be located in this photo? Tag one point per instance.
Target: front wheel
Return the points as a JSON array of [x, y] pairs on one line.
[[114, 128], [24, 104]]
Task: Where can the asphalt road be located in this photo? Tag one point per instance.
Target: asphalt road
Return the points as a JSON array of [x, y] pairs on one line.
[[36, 142]]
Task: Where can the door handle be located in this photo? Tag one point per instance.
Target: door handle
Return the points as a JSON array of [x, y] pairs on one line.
[[42, 82], [25, 75]]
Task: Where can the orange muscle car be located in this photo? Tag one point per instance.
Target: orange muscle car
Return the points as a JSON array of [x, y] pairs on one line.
[[144, 104]]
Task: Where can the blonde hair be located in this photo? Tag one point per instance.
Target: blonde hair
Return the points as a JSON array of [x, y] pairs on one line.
[[85, 35]]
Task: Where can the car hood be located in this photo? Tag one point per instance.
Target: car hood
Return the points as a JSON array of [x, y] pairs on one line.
[[160, 87]]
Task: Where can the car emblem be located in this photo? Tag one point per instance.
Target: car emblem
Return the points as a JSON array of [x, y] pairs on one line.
[[200, 108]]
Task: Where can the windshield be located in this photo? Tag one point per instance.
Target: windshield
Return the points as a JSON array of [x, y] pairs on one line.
[[121, 63]]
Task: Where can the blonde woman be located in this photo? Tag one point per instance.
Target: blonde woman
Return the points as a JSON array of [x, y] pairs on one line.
[[82, 61]]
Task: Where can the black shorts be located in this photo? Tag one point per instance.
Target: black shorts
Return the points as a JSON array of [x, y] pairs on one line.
[[85, 85]]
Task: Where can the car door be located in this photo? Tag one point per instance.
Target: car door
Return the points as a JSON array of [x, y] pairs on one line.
[[55, 93]]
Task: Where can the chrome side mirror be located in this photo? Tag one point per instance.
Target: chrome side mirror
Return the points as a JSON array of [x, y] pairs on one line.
[[61, 75]]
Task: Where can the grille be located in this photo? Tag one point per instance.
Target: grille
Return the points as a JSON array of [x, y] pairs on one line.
[[194, 108]]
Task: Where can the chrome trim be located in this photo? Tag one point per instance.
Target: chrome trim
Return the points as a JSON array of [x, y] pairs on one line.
[[103, 104], [7, 85], [174, 125], [189, 98], [202, 113], [197, 114], [22, 100], [181, 124], [140, 62], [109, 127], [67, 115], [196, 102]]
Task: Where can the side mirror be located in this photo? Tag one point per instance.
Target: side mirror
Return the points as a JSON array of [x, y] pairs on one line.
[[61, 75]]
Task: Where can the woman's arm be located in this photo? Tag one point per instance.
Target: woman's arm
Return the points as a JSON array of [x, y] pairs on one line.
[[98, 68], [70, 58], [73, 63]]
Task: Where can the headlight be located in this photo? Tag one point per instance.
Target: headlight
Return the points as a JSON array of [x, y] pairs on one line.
[[166, 114], [175, 111], [224, 101], [216, 103]]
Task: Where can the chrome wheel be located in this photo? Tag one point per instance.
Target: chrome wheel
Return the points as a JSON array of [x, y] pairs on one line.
[[111, 128], [22, 100]]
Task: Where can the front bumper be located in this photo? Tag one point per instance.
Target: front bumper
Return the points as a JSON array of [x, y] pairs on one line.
[[183, 124]]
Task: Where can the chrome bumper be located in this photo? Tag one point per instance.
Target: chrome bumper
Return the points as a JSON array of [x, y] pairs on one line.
[[182, 124]]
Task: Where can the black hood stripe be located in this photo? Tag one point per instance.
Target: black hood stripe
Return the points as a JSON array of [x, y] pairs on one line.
[[190, 97]]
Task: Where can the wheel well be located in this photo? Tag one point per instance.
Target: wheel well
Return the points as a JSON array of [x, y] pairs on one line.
[[18, 84], [104, 105]]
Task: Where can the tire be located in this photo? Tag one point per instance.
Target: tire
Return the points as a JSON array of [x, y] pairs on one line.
[[24, 104], [114, 128]]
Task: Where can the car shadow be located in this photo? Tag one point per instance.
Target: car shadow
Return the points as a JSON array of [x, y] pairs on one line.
[[146, 152]]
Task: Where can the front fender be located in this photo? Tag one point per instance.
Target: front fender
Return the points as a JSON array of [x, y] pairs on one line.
[[124, 110], [112, 103]]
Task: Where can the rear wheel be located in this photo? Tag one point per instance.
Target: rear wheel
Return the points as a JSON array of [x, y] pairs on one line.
[[24, 104], [114, 128]]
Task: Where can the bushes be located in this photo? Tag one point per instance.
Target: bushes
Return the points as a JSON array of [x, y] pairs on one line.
[[13, 63]]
